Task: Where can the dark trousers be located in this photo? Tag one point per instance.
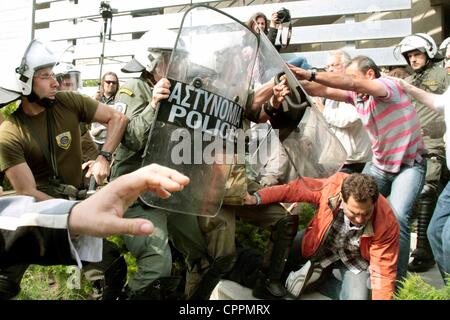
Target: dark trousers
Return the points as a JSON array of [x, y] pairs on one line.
[[353, 167]]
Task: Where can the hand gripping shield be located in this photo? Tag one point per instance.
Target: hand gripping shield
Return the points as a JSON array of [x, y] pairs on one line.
[[196, 129], [298, 131]]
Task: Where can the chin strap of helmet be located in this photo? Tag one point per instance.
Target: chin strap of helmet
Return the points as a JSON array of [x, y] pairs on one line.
[[149, 77], [44, 102]]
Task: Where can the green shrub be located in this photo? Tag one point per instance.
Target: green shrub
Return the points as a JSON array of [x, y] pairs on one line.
[[415, 288], [90, 83], [7, 110], [249, 235], [306, 213]]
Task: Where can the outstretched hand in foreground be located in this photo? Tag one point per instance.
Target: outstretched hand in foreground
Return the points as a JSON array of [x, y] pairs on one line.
[[101, 214]]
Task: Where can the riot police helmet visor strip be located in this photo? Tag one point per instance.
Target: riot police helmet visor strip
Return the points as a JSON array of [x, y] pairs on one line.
[[69, 81], [67, 76], [161, 61]]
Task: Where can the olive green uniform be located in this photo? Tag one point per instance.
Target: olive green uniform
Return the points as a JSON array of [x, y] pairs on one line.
[[436, 80], [18, 144], [99, 139], [153, 255]]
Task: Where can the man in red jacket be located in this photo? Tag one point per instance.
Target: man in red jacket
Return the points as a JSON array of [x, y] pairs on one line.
[[353, 236]]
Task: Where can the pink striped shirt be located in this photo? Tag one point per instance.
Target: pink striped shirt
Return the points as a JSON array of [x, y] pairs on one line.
[[392, 125]]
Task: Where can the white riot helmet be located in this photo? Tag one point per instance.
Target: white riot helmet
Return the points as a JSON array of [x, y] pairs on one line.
[[68, 76], [154, 47], [418, 41], [37, 56], [444, 47], [444, 44], [17, 78]]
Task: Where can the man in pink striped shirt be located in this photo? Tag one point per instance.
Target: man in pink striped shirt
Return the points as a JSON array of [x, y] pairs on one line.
[[393, 128]]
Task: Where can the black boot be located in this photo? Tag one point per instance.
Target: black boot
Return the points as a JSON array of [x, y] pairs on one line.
[[423, 258], [164, 288], [216, 271], [269, 285], [246, 268], [8, 289], [115, 278], [109, 275]]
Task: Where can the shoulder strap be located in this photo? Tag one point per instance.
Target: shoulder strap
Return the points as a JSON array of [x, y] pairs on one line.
[[280, 36], [51, 139], [47, 150]]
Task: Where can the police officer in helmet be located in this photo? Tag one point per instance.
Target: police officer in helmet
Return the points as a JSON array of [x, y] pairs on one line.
[[139, 98], [421, 53]]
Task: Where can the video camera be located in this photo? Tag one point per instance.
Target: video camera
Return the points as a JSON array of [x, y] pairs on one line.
[[106, 11], [283, 15]]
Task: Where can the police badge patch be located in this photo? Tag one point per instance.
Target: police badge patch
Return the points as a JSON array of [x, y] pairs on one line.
[[64, 140], [120, 106]]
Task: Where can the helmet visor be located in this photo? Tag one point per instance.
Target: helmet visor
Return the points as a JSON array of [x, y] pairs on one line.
[[69, 81], [161, 63]]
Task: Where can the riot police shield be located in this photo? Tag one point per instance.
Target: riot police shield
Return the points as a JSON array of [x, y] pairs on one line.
[[196, 130], [299, 128]]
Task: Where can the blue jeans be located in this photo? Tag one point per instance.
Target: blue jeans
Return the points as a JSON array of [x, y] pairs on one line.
[[401, 189], [300, 62], [439, 231], [341, 284], [345, 285]]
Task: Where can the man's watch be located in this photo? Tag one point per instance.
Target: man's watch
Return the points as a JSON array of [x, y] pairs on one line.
[[107, 155], [313, 75]]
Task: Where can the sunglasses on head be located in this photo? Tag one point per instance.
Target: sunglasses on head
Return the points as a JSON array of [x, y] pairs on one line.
[[110, 82]]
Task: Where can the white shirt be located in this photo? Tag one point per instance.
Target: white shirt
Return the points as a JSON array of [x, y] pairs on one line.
[[344, 121]]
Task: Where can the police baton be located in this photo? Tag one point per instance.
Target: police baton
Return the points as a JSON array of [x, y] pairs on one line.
[[92, 187]]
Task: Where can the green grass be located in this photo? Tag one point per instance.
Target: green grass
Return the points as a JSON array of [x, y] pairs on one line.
[[54, 283]]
